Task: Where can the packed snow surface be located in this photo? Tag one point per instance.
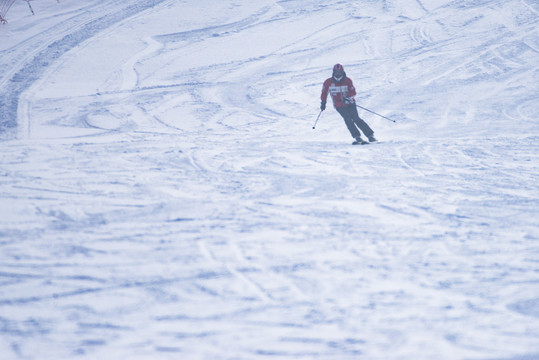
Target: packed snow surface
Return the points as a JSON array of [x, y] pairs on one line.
[[164, 196]]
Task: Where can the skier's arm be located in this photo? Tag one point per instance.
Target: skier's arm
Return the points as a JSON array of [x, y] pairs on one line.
[[351, 89], [350, 93], [325, 90], [324, 96]]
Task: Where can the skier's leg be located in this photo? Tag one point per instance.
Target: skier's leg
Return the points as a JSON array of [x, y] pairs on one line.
[[365, 128], [349, 121]]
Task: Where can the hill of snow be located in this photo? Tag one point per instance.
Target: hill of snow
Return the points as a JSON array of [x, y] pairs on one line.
[[164, 196]]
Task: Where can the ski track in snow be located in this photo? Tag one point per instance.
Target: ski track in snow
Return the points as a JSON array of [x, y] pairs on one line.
[[164, 196]]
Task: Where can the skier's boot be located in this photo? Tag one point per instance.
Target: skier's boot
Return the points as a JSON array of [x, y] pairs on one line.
[[372, 139], [359, 141]]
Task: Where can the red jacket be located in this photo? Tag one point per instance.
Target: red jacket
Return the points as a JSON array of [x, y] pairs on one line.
[[338, 91]]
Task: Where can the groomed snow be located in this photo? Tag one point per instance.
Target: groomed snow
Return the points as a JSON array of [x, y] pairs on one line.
[[164, 196]]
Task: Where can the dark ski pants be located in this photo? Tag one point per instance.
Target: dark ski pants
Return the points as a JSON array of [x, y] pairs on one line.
[[353, 121]]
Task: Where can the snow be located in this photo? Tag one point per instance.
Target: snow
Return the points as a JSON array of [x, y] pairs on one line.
[[164, 196]]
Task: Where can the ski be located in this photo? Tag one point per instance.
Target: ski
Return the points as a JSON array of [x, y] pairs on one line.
[[360, 142], [363, 142]]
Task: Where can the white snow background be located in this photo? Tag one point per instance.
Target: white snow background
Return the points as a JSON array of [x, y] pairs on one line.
[[164, 196]]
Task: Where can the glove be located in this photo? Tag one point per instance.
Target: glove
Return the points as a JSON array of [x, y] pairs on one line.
[[323, 105], [348, 100]]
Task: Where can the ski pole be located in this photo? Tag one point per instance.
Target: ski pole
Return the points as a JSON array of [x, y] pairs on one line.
[[314, 126], [30, 6], [375, 113]]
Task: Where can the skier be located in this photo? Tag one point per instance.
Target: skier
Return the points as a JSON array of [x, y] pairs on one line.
[[342, 92]]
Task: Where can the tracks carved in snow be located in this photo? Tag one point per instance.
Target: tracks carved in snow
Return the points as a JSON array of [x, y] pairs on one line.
[[267, 285]]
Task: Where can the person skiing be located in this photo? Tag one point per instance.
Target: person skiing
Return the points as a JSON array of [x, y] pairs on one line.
[[342, 91]]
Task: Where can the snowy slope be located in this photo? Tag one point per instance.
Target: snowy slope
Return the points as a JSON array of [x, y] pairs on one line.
[[163, 194]]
